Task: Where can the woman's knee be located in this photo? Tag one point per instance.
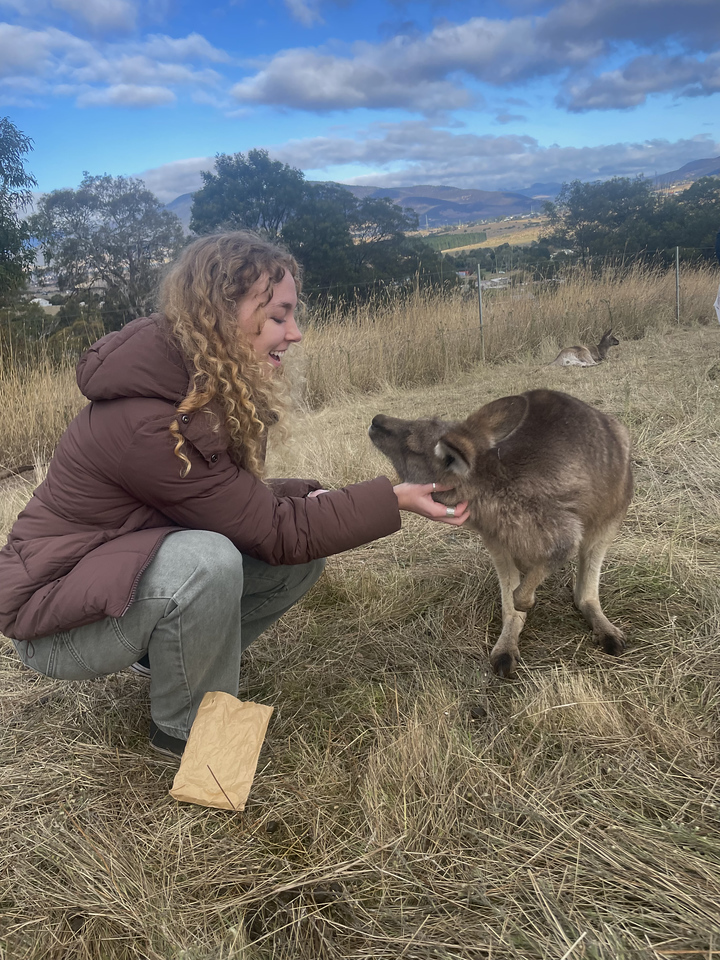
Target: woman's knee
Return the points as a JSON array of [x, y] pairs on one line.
[[211, 550], [190, 556]]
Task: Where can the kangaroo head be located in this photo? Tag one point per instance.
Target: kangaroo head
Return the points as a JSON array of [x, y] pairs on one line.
[[409, 445], [483, 431], [608, 339]]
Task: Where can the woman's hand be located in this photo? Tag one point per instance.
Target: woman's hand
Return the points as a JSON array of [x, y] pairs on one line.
[[417, 498]]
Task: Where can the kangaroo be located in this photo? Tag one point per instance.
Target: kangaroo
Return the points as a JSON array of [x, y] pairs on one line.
[[546, 477], [584, 357]]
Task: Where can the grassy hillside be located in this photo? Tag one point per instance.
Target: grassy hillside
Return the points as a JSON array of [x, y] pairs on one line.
[[407, 803], [448, 241]]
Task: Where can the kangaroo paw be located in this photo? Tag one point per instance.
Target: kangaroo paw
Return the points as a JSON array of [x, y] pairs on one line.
[[612, 641], [503, 664]]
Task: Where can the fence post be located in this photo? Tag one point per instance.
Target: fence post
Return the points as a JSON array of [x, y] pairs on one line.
[[677, 284], [482, 331]]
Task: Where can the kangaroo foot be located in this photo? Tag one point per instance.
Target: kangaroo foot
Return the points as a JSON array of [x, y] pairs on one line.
[[503, 664], [610, 638]]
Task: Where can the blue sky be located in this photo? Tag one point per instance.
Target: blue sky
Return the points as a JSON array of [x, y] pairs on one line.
[[469, 94]]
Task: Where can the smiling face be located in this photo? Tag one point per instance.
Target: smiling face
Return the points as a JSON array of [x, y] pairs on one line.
[[270, 327]]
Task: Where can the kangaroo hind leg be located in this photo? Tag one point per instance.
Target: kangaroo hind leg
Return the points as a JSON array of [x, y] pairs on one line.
[[506, 652], [524, 593], [586, 593]]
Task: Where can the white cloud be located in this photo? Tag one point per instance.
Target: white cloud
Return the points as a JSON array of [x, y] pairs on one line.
[[119, 73], [174, 179], [433, 73], [305, 13], [413, 153], [641, 77], [37, 52], [416, 153], [310, 81], [100, 14], [126, 95], [97, 15], [418, 72], [192, 47], [693, 23], [140, 70]]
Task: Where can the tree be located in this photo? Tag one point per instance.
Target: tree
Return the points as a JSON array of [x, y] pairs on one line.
[[382, 249], [16, 254], [319, 236], [344, 244], [600, 217], [623, 216], [112, 234], [247, 192], [347, 245], [699, 216]]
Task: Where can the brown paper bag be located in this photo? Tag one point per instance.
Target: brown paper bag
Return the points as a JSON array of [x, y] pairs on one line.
[[221, 755]]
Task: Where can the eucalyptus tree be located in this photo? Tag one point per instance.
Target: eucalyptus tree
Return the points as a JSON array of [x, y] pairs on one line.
[[111, 235], [16, 252]]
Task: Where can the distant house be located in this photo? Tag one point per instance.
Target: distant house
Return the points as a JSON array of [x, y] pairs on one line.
[[48, 307]]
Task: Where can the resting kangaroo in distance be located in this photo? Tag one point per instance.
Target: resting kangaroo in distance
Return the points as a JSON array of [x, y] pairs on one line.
[[546, 477], [582, 357]]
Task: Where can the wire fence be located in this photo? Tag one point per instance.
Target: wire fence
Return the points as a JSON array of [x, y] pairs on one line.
[[514, 275]]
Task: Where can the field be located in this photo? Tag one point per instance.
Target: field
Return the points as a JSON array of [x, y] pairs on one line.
[[449, 241], [514, 232], [407, 803]]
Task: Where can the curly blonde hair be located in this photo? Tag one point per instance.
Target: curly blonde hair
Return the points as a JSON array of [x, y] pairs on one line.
[[199, 298]]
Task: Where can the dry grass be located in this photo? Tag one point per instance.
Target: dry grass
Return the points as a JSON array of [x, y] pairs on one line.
[[430, 339], [37, 404], [407, 804]]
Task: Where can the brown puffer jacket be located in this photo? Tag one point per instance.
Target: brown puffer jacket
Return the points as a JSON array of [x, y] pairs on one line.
[[113, 491]]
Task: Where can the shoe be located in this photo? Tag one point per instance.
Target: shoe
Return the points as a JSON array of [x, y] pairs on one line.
[[163, 743], [142, 666]]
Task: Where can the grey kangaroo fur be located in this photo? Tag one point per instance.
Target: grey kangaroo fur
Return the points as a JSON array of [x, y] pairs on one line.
[[546, 477], [582, 356]]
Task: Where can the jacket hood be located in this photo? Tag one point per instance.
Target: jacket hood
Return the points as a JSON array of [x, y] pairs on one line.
[[137, 361]]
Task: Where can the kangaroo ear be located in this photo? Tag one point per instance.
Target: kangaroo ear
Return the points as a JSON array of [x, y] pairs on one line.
[[606, 334], [497, 420], [456, 452]]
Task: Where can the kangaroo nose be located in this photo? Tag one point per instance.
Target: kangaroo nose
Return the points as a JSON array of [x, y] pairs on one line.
[[377, 422]]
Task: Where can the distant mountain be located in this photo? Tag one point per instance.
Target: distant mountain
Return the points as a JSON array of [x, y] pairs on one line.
[[542, 191], [439, 206], [181, 207], [435, 206], [690, 171]]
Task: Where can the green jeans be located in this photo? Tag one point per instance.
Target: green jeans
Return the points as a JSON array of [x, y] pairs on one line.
[[198, 605]]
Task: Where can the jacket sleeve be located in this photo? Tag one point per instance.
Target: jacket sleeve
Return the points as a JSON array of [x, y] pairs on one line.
[[216, 495], [290, 487]]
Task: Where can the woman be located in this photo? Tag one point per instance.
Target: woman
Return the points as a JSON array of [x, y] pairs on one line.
[[153, 534]]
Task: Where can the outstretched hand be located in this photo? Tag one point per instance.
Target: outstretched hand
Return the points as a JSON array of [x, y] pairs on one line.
[[417, 498]]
